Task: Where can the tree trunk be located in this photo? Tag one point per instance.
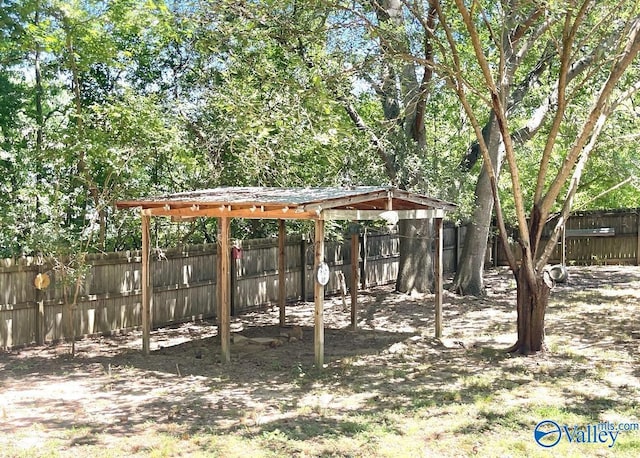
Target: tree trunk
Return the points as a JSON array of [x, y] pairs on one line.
[[415, 272], [469, 279], [39, 96], [68, 311], [531, 306], [87, 181]]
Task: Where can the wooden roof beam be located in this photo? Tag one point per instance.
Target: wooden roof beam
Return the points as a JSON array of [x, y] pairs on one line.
[[372, 215], [344, 201], [230, 212]]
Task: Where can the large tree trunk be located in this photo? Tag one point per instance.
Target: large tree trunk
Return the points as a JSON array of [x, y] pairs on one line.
[[469, 277], [415, 272], [531, 305]]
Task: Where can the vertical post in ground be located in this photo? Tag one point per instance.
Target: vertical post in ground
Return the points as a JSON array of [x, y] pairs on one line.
[[318, 294], [282, 285], [223, 286], [146, 284]]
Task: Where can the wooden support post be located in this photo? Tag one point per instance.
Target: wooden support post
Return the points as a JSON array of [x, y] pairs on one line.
[[318, 294], [146, 285], [282, 282], [223, 280], [355, 256], [438, 276]]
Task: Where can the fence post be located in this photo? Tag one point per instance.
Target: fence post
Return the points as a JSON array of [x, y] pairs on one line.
[[233, 272], [497, 243], [456, 260], [39, 311], [355, 256], [303, 267], [363, 266], [638, 247]]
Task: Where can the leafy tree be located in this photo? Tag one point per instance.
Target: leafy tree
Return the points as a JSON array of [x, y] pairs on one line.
[[570, 136]]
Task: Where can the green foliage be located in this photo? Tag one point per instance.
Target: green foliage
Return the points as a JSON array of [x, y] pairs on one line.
[[135, 99]]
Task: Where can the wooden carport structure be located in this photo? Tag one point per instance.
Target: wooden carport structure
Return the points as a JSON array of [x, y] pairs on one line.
[[316, 204]]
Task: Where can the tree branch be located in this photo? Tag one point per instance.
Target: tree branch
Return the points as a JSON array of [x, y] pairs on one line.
[[458, 84], [375, 141], [568, 34], [591, 130], [626, 57], [498, 108]]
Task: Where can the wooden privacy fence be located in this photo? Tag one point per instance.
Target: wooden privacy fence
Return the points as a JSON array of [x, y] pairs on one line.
[[594, 237], [184, 282]]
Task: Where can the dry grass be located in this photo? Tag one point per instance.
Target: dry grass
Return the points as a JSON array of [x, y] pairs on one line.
[[389, 389]]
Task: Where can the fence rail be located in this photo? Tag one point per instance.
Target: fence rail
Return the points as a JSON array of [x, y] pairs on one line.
[[184, 284]]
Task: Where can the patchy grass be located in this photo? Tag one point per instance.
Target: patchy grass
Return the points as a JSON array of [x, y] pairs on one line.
[[388, 390]]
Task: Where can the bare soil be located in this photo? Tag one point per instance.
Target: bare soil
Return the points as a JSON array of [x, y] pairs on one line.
[[110, 400]]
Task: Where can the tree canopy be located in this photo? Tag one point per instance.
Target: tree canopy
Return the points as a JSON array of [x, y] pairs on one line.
[[105, 99]]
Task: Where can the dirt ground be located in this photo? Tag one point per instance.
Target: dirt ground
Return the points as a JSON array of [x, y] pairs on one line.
[[109, 396]]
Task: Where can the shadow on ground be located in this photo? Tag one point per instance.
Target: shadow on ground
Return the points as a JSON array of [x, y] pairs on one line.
[[391, 366]]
